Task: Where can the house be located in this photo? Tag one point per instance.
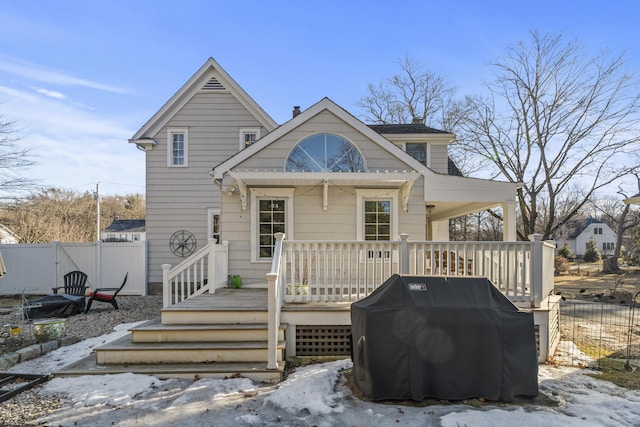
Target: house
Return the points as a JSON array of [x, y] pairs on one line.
[[124, 230], [577, 233], [313, 214]]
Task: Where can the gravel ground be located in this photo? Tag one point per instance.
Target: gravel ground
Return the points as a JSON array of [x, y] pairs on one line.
[[23, 409]]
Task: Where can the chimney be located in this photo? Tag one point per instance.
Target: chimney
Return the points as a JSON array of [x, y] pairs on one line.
[[296, 111], [417, 120]]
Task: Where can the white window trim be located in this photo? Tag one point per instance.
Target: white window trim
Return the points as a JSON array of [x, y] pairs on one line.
[[382, 194], [210, 213], [170, 132], [269, 193], [243, 131]]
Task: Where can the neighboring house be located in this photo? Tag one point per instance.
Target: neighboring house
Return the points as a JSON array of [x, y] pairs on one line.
[[577, 233], [7, 236], [260, 169], [124, 230]]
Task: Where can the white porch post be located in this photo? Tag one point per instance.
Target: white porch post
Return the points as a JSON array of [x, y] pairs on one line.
[[211, 266], [166, 291], [536, 269], [509, 221], [273, 326]]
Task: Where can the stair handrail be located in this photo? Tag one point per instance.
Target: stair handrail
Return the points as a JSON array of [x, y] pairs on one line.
[[174, 292]]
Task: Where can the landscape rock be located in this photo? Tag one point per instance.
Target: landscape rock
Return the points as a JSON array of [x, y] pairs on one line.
[[7, 360], [48, 346], [29, 353]]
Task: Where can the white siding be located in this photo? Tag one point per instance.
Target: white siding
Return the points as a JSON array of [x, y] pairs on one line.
[[311, 222], [275, 156], [607, 236], [178, 198], [439, 158]]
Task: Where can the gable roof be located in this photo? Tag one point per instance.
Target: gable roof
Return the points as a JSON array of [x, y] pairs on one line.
[[211, 76], [324, 104], [405, 128], [576, 227]]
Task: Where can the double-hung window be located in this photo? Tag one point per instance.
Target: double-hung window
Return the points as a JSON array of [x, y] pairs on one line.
[[248, 137], [418, 151], [178, 148]]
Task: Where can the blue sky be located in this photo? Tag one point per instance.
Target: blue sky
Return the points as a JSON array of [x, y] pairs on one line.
[[79, 78]]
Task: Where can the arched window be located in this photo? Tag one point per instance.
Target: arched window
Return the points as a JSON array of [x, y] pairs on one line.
[[325, 152]]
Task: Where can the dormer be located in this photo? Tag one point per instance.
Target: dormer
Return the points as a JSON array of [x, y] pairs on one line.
[[427, 145]]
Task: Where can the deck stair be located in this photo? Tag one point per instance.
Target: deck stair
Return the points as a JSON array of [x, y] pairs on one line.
[[215, 336]]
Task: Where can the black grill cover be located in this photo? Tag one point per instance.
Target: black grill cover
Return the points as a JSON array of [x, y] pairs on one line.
[[444, 338]]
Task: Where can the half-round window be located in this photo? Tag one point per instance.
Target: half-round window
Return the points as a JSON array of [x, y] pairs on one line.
[[325, 152]]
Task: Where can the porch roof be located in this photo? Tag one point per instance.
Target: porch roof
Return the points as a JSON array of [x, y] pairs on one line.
[[402, 180], [388, 179]]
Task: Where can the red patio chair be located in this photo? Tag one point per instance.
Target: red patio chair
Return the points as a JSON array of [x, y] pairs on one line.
[[106, 295]]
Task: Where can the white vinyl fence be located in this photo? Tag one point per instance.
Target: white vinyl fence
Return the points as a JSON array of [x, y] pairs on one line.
[[34, 269]]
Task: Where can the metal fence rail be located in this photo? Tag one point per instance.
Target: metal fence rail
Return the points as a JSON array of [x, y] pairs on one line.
[[603, 334]]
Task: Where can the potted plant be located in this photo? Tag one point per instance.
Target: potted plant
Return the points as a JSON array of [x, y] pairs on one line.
[[234, 281]]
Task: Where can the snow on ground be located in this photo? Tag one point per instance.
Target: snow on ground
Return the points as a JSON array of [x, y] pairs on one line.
[[312, 395]]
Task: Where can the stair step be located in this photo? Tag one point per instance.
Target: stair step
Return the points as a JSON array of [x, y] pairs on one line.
[[254, 371], [155, 331], [177, 316], [123, 350]]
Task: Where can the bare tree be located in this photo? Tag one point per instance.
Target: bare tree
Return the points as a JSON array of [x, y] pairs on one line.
[[66, 216], [13, 160], [414, 93], [558, 122], [618, 216]]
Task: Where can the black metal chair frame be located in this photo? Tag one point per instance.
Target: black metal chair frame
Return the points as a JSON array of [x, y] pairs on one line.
[[105, 295]]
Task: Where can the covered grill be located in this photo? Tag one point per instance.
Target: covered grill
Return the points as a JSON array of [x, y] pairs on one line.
[[442, 337]]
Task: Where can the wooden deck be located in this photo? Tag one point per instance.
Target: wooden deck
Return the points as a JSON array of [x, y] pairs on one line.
[[248, 299], [225, 299]]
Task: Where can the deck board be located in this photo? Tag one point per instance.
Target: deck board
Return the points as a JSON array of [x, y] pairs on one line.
[[255, 299]]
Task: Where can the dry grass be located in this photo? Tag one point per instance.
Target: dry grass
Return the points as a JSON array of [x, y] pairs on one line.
[[585, 281]]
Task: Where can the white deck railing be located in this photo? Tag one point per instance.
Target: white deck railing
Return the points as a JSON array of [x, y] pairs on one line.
[[205, 270], [321, 271], [316, 271]]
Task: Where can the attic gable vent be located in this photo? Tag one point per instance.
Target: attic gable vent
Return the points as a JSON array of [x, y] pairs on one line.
[[213, 84]]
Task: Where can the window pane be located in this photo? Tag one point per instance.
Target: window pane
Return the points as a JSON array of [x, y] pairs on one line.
[[265, 252], [265, 228], [266, 239], [265, 216], [417, 151]]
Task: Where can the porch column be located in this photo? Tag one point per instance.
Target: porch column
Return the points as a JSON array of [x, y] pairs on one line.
[[509, 221]]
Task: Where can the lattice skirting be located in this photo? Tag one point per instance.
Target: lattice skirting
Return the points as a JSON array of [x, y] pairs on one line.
[[317, 340]]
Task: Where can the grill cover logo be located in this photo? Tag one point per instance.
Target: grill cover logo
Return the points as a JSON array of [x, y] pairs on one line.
[[417, 286]]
